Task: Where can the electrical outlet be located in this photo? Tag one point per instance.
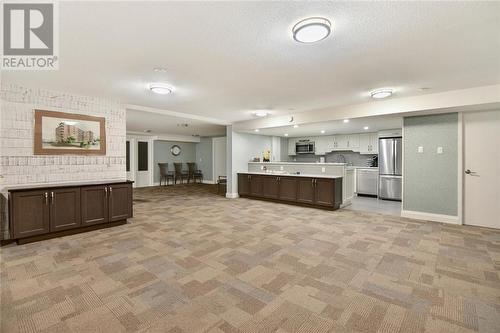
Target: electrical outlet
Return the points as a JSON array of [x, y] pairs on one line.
[[323, 169], [281, 168], [262, 167], [439, 150], [420, 149]]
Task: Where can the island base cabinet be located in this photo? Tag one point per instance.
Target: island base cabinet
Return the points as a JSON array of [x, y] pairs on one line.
[[256, 185], [310, 191], [324, 193], [305, 190], [243, 184], [270, 187], [57, 211], [288, 189]]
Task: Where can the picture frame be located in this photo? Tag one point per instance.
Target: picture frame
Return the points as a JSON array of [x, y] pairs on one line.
[[60, 133]]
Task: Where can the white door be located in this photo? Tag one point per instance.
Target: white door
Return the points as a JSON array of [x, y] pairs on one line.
[[219, 156], [143, 163], [482, 168]]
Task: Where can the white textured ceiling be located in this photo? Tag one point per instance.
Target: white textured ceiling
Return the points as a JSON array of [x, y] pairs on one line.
[[141, 121], [356, 125], [227, 58]]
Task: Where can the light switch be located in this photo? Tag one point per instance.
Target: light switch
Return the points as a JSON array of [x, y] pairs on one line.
[[323, 169], [420, 149], [440, 150], [281, 168]]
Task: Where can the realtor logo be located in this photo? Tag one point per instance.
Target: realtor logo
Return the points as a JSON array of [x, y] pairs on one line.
[[29, 36]]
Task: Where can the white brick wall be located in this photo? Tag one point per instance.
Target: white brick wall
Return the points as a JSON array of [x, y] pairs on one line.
[[19, 166]]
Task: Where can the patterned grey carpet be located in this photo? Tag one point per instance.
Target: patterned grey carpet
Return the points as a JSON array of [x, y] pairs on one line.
[[192, 261]]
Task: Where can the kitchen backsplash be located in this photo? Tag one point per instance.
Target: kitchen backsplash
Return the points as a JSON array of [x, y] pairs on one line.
[[352, 158]]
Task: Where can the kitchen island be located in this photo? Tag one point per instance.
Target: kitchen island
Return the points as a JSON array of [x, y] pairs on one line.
[[319, 170], [301, 189]]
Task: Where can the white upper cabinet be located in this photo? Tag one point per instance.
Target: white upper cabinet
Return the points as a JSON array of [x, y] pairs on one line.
[[340, 142], [368, 143], [364, 143], [322, 144], [374, 143], [353, 141]]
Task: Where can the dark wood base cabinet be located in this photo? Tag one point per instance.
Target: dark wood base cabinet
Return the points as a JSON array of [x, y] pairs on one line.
[[309, 191], [48, 212]]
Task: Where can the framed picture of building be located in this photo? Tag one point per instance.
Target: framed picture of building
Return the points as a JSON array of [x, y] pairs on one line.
[[59, 133]]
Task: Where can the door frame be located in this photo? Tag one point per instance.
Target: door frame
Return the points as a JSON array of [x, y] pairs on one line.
[[214, 141], [460, 169], [134, 140]]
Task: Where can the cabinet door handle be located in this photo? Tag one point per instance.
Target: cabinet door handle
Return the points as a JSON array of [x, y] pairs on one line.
[[52, 197], [106, 191], [46, 198], [110, 191]]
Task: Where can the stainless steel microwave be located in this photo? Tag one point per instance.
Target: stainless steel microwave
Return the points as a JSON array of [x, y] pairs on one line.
[[304, 147]]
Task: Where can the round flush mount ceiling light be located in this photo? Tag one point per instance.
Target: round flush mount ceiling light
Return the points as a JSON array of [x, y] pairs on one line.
[[381, 93], [160, 88], [312, 29], [286, 134], [261, 113], [346, 121], [366, 128], [322, 131], [256, 130]]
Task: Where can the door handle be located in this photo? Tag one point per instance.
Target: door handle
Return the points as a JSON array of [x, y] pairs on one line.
[[52, 197], [469, 172]]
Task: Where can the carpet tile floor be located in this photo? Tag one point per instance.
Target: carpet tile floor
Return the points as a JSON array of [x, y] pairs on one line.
[[192, 261]]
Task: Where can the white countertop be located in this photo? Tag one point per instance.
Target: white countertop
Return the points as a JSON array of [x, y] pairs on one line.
[[295, 163], [291, 175], [360, 167]]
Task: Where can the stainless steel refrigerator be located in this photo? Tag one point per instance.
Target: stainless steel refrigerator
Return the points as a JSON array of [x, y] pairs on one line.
[[390, 168]]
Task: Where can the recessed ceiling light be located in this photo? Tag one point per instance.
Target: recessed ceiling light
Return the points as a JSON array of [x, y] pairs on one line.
[[160, 88], [312, 29], [366, 128], [159, 69], [256, 130], [286, 134], [261, 113], [295, 126], [346, 121], [381, 93], [322, 131]]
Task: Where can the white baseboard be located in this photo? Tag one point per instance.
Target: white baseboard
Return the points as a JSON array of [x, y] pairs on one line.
[[430, 217], [346, 203], [232, 195], [211, 182]]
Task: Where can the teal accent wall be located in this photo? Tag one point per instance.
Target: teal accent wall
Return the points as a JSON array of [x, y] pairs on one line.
[[431, 179], [162, 154], [204, 156]]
